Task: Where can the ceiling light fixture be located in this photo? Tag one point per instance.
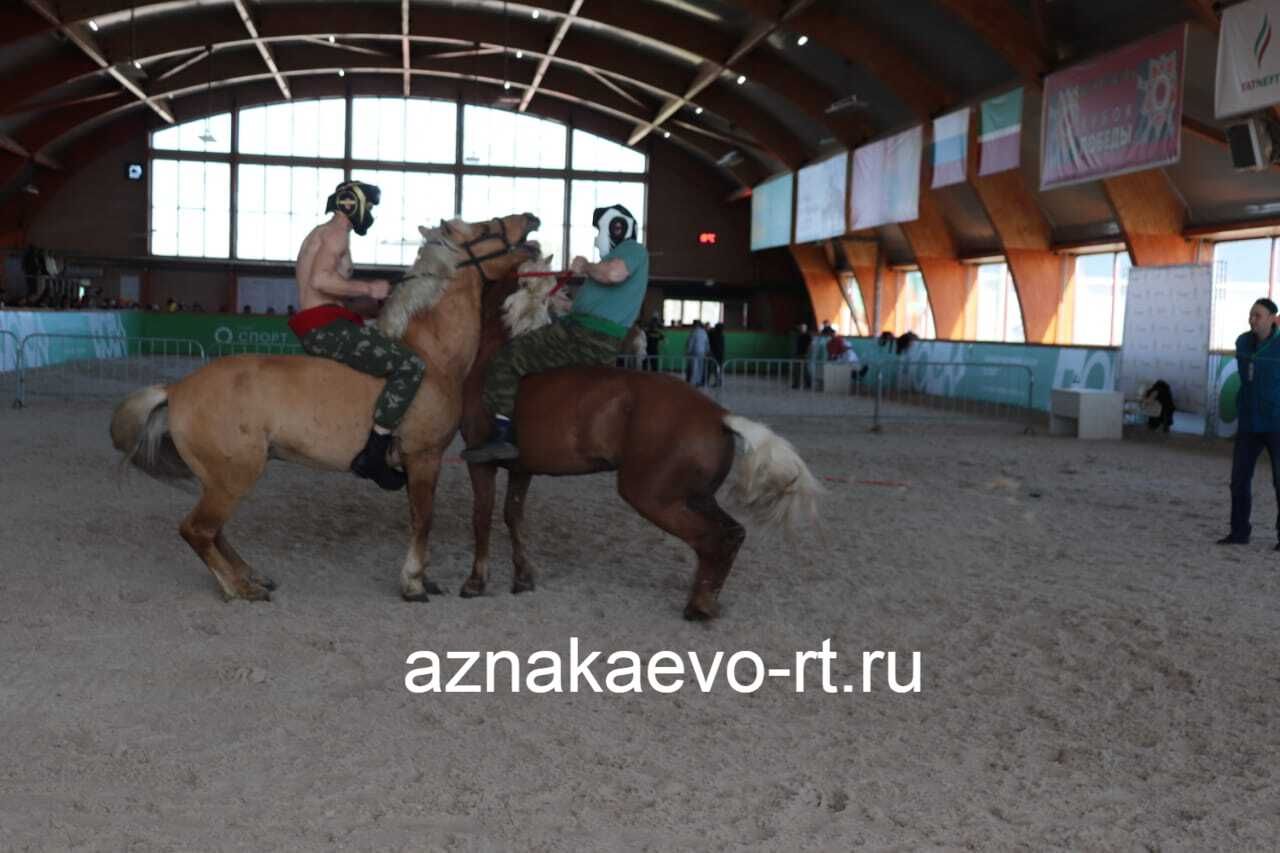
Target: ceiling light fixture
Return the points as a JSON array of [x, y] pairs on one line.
[[507, 85], [536, 13], [331, 40], [698, 111], [519, 54], [666, 134], [207, 136], [342, 72], [802, 41], [742, 78], [93, 25]]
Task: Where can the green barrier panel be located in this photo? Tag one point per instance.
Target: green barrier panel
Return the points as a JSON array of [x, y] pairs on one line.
[[736, 344], [99, 324], [223, 333], [956, 369]]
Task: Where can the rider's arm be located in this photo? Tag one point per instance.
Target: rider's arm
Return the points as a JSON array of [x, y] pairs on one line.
[[329, 280], [331, 283], [612, 271]]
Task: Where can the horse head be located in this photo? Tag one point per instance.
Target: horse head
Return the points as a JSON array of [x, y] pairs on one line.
[[493, 248]]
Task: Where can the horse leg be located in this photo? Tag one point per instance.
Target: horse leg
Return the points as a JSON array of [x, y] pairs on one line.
[[234, 558], [483, 485], [517, 490], [201, 530], [423, 470], [697, 520]]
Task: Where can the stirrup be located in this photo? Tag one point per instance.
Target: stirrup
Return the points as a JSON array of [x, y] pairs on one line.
[[491, 451]]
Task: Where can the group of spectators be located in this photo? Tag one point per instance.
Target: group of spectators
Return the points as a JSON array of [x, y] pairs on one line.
[[816, 350]]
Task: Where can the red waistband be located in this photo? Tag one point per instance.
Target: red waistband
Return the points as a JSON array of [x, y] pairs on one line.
[[321, 315]]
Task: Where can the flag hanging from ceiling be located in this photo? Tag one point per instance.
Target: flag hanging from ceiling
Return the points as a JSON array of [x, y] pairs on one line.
[[950, 148], [1248, 62], [886, 181], [1000, 133]]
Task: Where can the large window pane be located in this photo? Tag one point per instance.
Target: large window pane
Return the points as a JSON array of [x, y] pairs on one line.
[[277, 206], [1014, 330], [585, 197], [596, 154], [1243, 274], [411, 131], [409, 199], [991, 302], [499, 138], [212, 135], [487, 196], [856, 308], [1095, 295], [189, 208], [917, 315], [297, 129]]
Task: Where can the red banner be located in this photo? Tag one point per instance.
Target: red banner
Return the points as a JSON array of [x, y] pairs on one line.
[[1119, 113]]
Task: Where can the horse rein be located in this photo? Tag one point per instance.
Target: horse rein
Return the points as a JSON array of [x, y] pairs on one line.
[[507, 248]]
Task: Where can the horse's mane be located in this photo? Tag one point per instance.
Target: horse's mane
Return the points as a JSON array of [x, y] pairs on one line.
[[533, 304], [427, 280]]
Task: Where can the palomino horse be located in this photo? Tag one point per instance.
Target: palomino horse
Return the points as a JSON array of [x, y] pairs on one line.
[[671, 445], [221, 424]]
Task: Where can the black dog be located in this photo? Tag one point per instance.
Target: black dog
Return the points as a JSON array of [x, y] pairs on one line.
[[1160, 393]]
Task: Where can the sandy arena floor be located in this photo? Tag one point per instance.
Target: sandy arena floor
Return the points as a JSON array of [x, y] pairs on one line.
[[1096, 674]]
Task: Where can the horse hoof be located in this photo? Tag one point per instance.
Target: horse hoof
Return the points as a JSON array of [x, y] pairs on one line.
[[417, 596], [264, 582], [470, 590], [699, 614], [256, 593], [433, 588], [518, 586]]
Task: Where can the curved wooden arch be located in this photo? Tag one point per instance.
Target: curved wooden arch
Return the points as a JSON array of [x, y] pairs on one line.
[[155, 37]]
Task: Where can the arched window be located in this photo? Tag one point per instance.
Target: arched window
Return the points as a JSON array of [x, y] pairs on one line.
[[251, 185]]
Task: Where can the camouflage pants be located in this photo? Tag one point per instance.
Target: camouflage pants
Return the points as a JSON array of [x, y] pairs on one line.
[[365, 349], [563, 344]]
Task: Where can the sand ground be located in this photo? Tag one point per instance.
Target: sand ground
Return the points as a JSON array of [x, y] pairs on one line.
[[1095, 673]]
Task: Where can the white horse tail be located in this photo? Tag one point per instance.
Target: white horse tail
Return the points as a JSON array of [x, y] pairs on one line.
[[140, 430], [772, 482]]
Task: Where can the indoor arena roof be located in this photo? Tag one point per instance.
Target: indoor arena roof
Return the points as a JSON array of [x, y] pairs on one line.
[[751, 87]]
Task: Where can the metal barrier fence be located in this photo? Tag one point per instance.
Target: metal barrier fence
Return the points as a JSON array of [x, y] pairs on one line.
[[10, 346], [954, 390], [220, 350], [65, 365], [880, 392]]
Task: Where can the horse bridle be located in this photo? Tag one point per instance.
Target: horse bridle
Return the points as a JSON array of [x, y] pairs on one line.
[[507, 247]]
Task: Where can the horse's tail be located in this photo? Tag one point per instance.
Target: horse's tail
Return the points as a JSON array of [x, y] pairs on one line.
[[140, 430], [772, 482]]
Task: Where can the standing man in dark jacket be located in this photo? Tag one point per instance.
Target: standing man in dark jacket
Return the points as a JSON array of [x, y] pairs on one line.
[[1258, 427], [717, 354]]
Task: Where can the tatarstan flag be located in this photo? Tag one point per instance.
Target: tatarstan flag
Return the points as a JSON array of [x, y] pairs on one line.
[[1000, 133]]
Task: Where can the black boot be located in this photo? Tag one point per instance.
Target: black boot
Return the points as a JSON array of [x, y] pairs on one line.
[[371, 463], [499, 448]]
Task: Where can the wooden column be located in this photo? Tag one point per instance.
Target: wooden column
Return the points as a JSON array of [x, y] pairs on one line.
[[1152, 218], [820, 280], [944, 276]]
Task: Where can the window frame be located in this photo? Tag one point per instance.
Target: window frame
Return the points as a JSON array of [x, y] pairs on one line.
[[347, 163]]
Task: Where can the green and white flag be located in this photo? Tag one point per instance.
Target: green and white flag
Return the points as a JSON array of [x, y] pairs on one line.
[[1000, 133]]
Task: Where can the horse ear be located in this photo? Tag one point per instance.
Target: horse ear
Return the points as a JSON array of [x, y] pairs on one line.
[[444, 225], [424, 232]]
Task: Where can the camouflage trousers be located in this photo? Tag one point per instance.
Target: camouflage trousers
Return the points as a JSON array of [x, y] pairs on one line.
[[561, 344], [365, 349]]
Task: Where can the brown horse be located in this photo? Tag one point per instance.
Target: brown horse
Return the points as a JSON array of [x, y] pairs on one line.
[[221, 424], [671, 445]]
